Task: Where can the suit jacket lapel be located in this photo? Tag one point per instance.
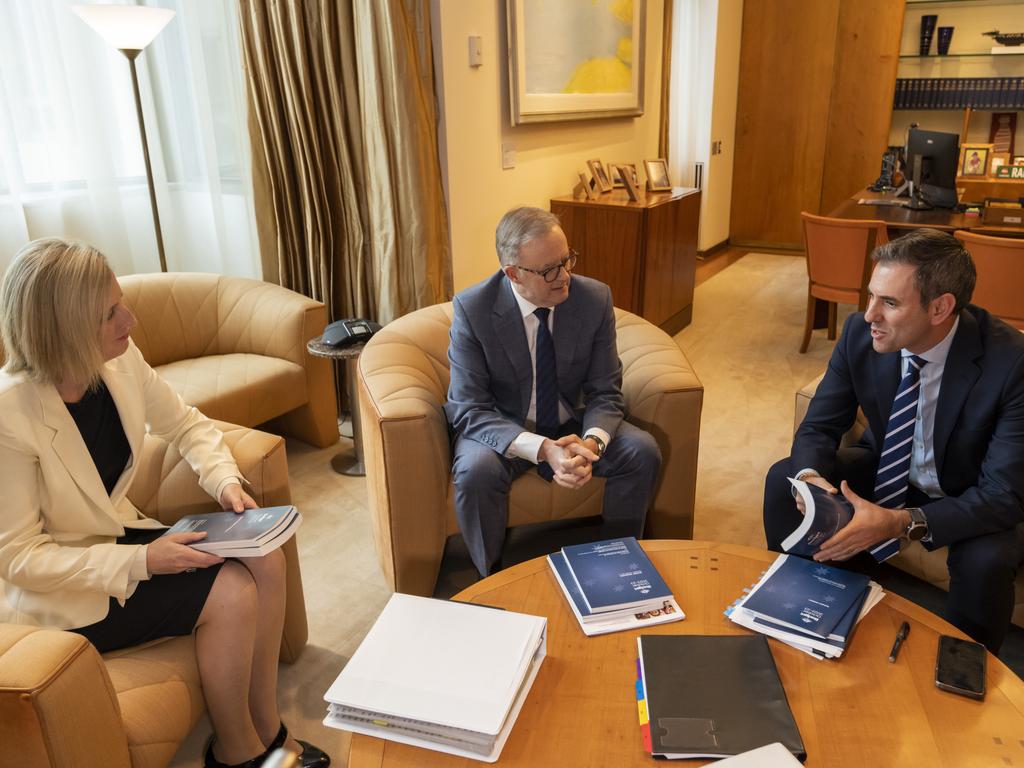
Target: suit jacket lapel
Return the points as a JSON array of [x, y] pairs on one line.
[[567, 330], [958, 378], [886, 372], [508, 326], [71, 449]]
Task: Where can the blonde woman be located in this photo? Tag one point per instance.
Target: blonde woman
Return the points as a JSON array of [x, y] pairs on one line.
[[76, 399]]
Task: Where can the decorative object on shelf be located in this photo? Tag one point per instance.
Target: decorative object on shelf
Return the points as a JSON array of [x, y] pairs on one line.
[[974, 159], [945, 38], [600, 175], [575, 61], [657, 175], [1003, 132], [1011, 172], [1018, 160], [1011, 39], [130, 28], [998, 160], [583, 190], [928, 22]]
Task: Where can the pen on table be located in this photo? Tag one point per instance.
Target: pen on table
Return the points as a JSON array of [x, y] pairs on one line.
[[900, 637]]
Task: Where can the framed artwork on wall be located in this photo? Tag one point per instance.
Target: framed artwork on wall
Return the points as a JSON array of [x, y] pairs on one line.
[[974, 159], [575, 59]]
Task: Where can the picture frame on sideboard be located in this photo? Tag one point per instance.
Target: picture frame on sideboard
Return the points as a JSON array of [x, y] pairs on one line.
[[657, 175], [974, 159], [597, 170]]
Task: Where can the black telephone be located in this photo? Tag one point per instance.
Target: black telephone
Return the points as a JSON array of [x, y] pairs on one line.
[[344, 333]]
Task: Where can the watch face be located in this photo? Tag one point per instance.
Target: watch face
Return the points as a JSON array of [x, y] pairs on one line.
[[917, 531]]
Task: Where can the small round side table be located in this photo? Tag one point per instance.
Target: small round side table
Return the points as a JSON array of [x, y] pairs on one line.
[[343, 464]]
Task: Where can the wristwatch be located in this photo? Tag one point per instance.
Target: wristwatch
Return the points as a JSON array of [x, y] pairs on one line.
[[918, 527], [600, 445]]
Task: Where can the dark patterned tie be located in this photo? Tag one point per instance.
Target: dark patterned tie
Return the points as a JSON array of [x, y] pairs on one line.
[[547, 377], [892, 481], [546, 383]]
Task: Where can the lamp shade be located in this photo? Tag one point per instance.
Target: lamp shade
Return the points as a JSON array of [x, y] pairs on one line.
[[126, 27]]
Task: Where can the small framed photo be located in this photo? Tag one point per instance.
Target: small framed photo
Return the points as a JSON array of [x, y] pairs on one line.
[[597, 170], [583, 190], [1018, 160], [621, 171], [657, 175], [974, 159], [998, 160]]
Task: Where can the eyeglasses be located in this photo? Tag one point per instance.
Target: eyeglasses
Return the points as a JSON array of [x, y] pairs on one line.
[[551, 273]]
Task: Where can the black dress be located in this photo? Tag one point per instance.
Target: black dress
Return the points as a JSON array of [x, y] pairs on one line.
[[166, 605]]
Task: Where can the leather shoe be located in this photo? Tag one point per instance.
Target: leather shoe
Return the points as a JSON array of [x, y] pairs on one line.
[[209, 761], [311, 756]]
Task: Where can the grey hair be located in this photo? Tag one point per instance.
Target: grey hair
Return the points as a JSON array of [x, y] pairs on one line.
[[941, 265], [518, 227]]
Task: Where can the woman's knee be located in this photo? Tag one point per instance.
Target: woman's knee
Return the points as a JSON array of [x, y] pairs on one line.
[[234, 595]]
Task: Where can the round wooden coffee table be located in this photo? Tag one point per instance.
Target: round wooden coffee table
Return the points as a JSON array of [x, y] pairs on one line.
[[858, 711]]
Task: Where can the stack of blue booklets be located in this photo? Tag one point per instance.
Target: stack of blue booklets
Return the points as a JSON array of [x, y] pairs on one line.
[[613, 585], [811, 606]]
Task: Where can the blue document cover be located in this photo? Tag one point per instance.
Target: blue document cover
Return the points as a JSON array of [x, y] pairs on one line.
[[615, 574], [825, 514], [806, 595]]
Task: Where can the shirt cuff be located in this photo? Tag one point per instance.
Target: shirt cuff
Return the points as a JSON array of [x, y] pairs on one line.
[[605, 437], [139, 570], [525, 446]]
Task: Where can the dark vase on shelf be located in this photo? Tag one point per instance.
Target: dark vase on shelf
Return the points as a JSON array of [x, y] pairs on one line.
[[927, 32], [945, 38]]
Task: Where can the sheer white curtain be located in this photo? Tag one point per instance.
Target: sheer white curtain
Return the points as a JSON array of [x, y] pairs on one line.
[[71, 160], [691, 87]]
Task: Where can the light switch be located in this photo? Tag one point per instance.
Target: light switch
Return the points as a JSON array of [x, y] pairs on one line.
[[476, 54], [508, 156]]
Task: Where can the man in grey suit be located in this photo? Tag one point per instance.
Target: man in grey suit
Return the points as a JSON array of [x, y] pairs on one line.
[[534, 366]]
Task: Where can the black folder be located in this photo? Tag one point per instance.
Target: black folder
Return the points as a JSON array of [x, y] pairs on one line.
[[714, 696]]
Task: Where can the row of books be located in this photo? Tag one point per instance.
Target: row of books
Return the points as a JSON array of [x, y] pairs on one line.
[[959, 93], [810, 606]]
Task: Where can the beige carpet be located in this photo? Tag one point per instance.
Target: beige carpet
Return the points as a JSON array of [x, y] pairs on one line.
[[748, 321]]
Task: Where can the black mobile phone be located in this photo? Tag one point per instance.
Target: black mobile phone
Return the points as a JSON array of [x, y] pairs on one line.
[[960, 667]]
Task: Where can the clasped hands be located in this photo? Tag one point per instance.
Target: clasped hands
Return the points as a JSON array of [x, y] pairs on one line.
[[571, 459], [172, 554], [870, 524]]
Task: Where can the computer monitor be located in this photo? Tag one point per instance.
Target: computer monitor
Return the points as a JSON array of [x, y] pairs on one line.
[[934, 156]]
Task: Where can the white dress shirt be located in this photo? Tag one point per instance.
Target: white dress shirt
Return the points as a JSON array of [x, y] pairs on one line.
[[527, 443]]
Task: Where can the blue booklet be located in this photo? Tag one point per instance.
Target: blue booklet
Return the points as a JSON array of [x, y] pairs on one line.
[[615, 574], [805, 595], [825, 514]]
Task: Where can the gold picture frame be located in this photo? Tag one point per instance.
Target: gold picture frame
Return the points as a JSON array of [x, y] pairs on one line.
[[657, 175], [975, 160], [597, 170]]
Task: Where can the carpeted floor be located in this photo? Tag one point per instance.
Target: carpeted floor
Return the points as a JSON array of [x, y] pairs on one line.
[[743, 341]]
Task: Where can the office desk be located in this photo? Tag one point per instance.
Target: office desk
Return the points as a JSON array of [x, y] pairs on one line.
[[902, 220], [857, 711]]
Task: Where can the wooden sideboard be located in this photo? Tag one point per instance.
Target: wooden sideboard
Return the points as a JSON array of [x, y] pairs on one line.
[[646, 251]]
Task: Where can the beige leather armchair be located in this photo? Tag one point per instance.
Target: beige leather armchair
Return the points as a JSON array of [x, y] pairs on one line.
[[236, 349], [403, 383], [913, 557], [62, 704]]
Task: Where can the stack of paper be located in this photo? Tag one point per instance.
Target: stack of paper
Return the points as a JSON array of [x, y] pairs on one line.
[[612, 585], [252, 533], [442, 675], [810, 606]]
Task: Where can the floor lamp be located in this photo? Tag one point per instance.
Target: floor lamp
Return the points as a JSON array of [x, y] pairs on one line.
[[130, 28]]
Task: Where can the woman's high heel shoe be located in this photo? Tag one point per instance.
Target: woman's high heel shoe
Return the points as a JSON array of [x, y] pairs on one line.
[[209, 761], [311, 756]]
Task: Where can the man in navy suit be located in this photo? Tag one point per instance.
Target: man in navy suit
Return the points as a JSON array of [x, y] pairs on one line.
[[941, 383], [533, 367]]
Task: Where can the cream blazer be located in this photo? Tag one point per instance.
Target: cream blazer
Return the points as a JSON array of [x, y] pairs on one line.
[[59, 564]]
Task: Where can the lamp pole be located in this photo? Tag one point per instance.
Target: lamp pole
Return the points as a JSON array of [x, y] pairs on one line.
[[131, 54]]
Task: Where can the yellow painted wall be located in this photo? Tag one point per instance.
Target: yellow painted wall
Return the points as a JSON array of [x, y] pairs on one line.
[[474, 110]]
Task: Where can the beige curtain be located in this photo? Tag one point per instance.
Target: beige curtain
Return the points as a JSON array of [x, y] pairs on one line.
[[347, 180], [666, 79]]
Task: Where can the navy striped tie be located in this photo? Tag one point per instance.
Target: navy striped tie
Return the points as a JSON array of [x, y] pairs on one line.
[[892, 481]]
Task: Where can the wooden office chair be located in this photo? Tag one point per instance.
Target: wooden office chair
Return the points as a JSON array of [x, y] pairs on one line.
[[838, 264], [999, 261]]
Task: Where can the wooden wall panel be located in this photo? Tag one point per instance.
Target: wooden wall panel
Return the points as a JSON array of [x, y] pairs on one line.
[[864, 79], [785, 82]]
